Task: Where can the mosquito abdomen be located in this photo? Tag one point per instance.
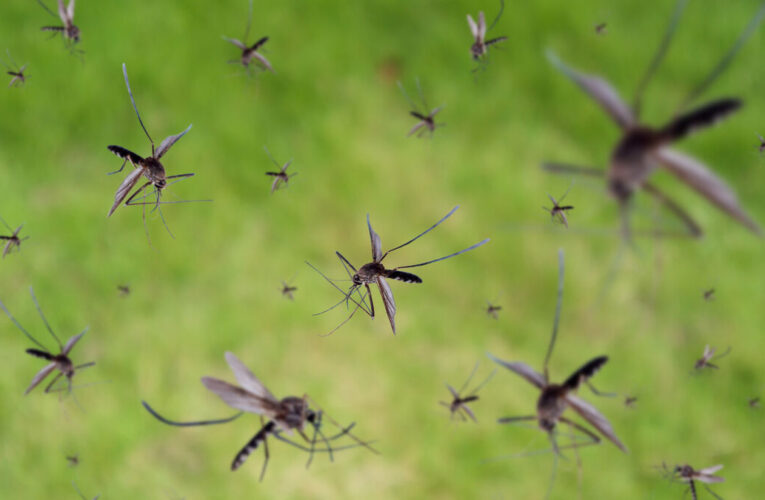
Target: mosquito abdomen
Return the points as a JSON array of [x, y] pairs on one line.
[[585, 372], [252, 445], [402, 276], [40, 354]]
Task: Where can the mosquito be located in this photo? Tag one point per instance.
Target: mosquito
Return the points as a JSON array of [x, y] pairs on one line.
[[709, 294], [19, 78], [283, 416], [706, 359], [425, 115], [555, 399], [558, 211], [281, 177], [60, 361], [287, 290], [480, 47], [754, 403], [493, 310], [69, 31], [630, 401], [13, 241], [643, 148], [687, 474], [376, 273], [459, 403], [73, 460], [124, 290], [83, 497], [761, 147], [251, 52], [600, 28]]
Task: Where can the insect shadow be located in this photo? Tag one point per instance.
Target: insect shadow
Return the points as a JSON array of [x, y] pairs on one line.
[[282, 416], [13, 69], [687, 474], [250, 52], [459, 404], [12, 241], [425, 115], [281, 178], [480, 48], [376, 273], [642, 148]]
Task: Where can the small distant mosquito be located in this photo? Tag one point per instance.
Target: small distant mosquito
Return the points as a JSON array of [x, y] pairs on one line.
[[376, 273], [69, 31], [600, 28], [754, 403], [248, 53], [459, 403], [19, 78], [74, 460], [60, 362], [687, 474], [281, 177], [284, 416], [425, 115], [480, 47], [558, 211], [642, 149], [708, 356], [124, 290], [709, 294], [493, 310], [287, 290], [630, 401], [83, 497], [761, 147], [12, 241]]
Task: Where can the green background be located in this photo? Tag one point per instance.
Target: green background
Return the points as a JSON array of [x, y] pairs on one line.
[[334, 108]]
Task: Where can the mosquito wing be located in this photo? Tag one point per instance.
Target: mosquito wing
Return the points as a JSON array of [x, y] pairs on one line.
[[70, 11], [473, 26], [40, 376], [417, 127], [376, 244], [124, 189], [260, 57], [481, 25], [388, 302], [247, 379], [235, 42], [523, 370], [595, 418], [238, 398], [72, 342], [706, 475], [165, 146], [705, 182], [455, 394], [62, 11]]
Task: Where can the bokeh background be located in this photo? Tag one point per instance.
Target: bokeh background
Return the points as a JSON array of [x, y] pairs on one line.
[[334, 108]]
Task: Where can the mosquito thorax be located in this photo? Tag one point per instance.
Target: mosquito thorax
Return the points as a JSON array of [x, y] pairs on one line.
[[477, 50], [295, 410]]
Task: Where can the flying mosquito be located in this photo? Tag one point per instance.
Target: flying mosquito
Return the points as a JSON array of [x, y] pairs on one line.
[[630, 401], [19, 78], [459, 403], [706, 359], [124, 290], [761, 147], [251, 52], [754, 403], [283, 416], [60, 362], [687, 474], [288, 291], [643, 148], [558, 211], [12, 241], [69, 31], [556, 398], [376, 273], [73, 460], [600, 28], [281, 177], [425, 115], [493, 310], [709, 294], [480, 47]]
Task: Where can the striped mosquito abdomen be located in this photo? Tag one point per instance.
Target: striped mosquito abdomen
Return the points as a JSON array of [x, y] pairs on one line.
[[582, 374], [402, 276], [40, 354], [252, 445]]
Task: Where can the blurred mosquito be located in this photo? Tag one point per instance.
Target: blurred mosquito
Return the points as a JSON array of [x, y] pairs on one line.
[[754, 403], [287, 290], [558, 211], [74, 460], [600, 28], [630, 401], [69, 31], [284, 416], [60, 361], [709, 294], [556, 398], [124, 290], [376, 273], [83, 497], [459, 403], [761, 147], [251, 52], [281, 177], [706, 359], [687, 474], [493, 310], [642, 148], [480, 47], [149, 167], [15, 71], [12, 241], [425, 115]]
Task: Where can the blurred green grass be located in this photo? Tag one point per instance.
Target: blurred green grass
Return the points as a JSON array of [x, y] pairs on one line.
[[333, 107]]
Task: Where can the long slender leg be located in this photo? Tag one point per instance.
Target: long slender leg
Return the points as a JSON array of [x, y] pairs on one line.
[[55, 379], [558, 306], [47, 325], [266, 454], [189, 424]]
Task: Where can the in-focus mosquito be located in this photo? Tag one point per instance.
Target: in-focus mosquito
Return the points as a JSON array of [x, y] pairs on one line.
[[459, 403], [600, 28], [558, 211], [280, 177], [60, 361], [250, 52], [423, 113], [706, 359], [12, 241], [493, 310], [288, 290], [480, 47], [13, 69], [643, 148], [284, 416], [124, 290], [69, 31], [709, 294], [687, 474], [376, 273], [754, 403], [630, 401], [556, 398]]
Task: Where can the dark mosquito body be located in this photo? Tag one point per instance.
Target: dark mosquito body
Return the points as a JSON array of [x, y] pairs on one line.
[[761, 146], [493, 310], [376, 273], [642, 148], [459, 403], [17, 73], [13, 240], [754, 403], [630, 401], [480, 48], [425, 115], [288, 291], [600, 28], [250, 52], [56, 362], [69, 31], [557, 211], [124, 290], [73, 460], [687, 474], [283, 416], [281, 178], [709, 294], [706, 359]]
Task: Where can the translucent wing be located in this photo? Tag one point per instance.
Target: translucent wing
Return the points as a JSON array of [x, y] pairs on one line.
[[595, 418], [388, 302], [247, 379], [473, 26], [235, 42], [376, 244], [705, 182], [72, 342], [705, 475], [238, 398], [40, 376], [70, 10], [165, 146], [481, 25], [417, 127], [455, 394], [263, 61], [523, 370], [62, 11], [128, 184]]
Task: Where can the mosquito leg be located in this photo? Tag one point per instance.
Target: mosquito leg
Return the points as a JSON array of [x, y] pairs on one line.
[[718, 497], [558, 305], [55, 379], [511, 420], [124, 162], [266, 454], [599, 393], [189, 424], [47, 325], [694, 230]]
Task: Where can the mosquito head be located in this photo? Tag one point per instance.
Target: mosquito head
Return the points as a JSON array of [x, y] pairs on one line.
[[296, 409], [73, 33], [476, 50], [356, 280], [160, 183], [683, 471], [547, 424]]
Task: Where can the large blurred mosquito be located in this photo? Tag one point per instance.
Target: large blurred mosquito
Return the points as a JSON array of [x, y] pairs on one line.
[[12, 241], [69, 31], [284, 416], [643, 148], [687, 474], [459, 404], [558, 211], [376, 273], [556, 398], [13, 69], [709, 355], [480, 47], [250, 52], [280, 177], [425, 115], [60, 361]]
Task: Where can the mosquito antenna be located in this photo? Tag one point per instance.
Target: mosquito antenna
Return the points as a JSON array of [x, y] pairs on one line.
[[486, 381], [18, 325], [554, 467], [448, 256], [343, 322], [422, 233], [346, 431], [659, 55], [727, 59], [47, 9], [189, 424], [6, 224], [47, 325], [249, 22], [422, 95], [272, 158], [499, 14], [132, 99], [558, 304], [406, 96], [464, 386]]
